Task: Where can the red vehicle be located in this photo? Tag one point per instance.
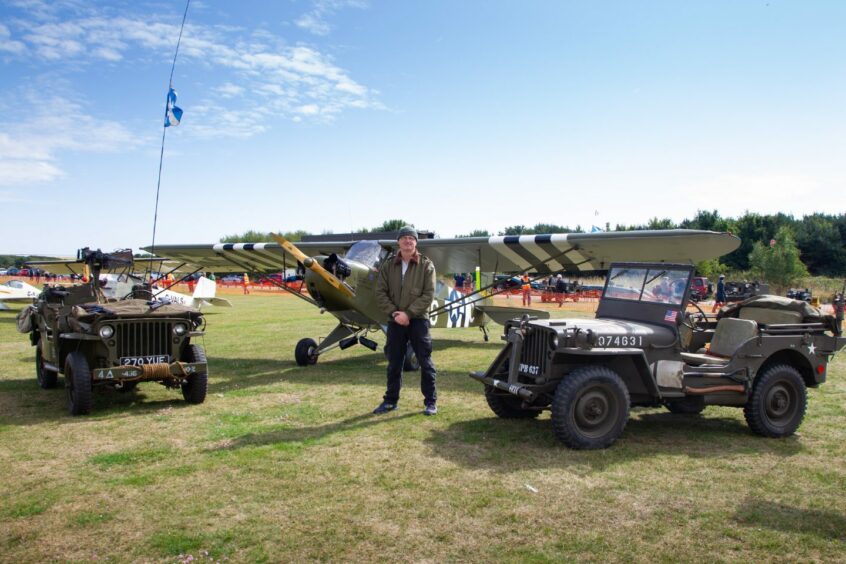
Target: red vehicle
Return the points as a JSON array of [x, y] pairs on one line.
[[700, 288]]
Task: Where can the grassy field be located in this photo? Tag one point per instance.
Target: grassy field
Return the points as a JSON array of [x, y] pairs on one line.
[[284, 463]]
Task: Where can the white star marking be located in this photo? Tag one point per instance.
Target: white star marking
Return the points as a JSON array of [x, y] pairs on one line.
[[812, 348]]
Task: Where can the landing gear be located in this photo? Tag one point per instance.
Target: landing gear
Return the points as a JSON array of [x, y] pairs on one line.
[[306, 352]]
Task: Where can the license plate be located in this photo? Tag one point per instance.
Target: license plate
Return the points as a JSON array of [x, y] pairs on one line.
[[142, 360]]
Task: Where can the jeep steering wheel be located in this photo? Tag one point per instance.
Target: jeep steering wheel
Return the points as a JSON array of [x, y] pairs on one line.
[[696, 321]]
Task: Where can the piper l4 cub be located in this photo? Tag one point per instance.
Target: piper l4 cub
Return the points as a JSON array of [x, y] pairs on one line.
[[645, 349]]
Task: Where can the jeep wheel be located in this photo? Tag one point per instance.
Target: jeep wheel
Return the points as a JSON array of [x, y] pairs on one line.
[[590, 408], [777, 405], [306, 352], [507, 406], [194, 390], [78, 384], [47, 379], [686, 406]]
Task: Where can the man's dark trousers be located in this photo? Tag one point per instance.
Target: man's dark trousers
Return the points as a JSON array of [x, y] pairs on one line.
[[416, 333]]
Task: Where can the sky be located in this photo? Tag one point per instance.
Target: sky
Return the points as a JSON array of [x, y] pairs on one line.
[[333, 115]]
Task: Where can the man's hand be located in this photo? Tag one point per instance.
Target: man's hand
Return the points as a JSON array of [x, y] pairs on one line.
[[401, 318]]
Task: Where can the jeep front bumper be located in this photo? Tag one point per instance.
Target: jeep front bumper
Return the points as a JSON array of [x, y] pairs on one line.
[[149, 372]]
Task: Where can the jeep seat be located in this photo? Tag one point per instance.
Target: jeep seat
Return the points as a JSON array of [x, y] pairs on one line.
[[729, 335]]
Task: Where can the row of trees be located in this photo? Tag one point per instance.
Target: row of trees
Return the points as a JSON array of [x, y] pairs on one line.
[[818, 240]]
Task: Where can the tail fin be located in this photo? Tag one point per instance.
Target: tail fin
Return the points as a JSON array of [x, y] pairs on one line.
[[205, 289]]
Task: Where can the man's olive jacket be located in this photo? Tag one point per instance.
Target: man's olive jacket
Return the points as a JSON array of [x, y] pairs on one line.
[[414, 294]]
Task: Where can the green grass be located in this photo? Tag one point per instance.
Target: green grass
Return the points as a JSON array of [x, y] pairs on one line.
[[284, 463]]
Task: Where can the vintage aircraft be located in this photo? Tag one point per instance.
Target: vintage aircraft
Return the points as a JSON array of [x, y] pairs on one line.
[[341, 276], [16, 291]]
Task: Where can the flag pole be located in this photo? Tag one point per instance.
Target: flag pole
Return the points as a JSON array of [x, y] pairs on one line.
[[164, 133]]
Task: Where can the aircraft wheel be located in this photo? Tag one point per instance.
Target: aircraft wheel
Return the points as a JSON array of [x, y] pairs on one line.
[[306, 352], [777, 405], [590, 408], [78, 384], [507, 406], [195, 389], [47, 379], [686, 406]]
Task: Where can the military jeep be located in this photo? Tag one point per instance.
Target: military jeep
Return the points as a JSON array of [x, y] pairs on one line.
[[95, 342], [644, 348]]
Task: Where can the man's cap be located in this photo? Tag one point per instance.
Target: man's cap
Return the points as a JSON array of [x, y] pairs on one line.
[[407, 230], [722, 275]]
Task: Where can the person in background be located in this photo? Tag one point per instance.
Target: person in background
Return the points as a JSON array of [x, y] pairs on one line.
[[246, 284], [527, 290], [720, 299]]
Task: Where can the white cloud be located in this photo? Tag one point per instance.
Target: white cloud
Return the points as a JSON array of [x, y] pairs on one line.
[[259, 72], [7, 44], [28, 151], [315, 20]]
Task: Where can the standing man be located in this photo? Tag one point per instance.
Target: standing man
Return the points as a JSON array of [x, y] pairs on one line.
[[720, 299], [404, 291], [527, 290]]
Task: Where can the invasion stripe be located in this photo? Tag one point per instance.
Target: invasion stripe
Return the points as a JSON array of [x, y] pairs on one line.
[[497, 243], [577, 258], [521, 245]]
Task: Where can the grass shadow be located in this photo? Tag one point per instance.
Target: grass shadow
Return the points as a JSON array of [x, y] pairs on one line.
[[504, 445], [761, 513], [300, 434]]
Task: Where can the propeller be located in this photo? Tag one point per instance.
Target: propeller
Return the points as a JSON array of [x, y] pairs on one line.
[[314, 266]]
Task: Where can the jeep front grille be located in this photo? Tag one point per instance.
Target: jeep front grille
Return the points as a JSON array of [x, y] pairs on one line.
[[143, 338], [534, 355]]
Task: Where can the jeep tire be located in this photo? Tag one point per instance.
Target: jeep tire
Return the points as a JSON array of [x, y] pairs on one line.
[[507, 406], [78, 384], [194, 390], [590, 408], [777, 404]]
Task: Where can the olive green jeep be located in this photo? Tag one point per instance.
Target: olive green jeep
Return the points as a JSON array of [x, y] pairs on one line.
[[95, 342], [644, 348]]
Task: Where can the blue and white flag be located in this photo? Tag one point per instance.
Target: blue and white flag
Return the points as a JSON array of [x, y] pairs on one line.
[[173, 115], [595, 229]]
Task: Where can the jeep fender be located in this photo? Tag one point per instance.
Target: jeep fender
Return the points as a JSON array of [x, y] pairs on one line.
[[631, 365]]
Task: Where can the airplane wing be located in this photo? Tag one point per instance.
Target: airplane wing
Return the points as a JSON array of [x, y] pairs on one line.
[[569, 252]]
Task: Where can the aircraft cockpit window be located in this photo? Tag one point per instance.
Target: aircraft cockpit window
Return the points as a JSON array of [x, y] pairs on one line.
[[368, 253]]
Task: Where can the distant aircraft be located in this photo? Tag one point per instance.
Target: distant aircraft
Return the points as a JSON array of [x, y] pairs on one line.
[[117, 286], [119, 283], [16, 291], [341, 276]]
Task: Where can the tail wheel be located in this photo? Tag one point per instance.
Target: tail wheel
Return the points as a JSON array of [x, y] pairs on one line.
[[777, 405], [47, 379], [78, 384], [507, 406], [194, 390], [305, 352], [590, 408]]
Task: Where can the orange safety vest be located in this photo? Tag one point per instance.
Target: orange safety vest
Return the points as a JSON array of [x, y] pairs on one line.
[[526, 284]]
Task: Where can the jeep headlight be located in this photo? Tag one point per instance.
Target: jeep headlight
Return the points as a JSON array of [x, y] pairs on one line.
[[180, 329], [553, 341], [106, 331]]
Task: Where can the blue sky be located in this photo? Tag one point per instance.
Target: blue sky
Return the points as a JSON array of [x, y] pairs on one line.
[[330, 115]]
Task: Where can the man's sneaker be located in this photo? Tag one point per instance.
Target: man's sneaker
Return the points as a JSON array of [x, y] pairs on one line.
[[384, 407], [431, 409]]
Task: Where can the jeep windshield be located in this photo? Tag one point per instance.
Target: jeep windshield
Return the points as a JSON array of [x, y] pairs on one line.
[[654, 285]]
